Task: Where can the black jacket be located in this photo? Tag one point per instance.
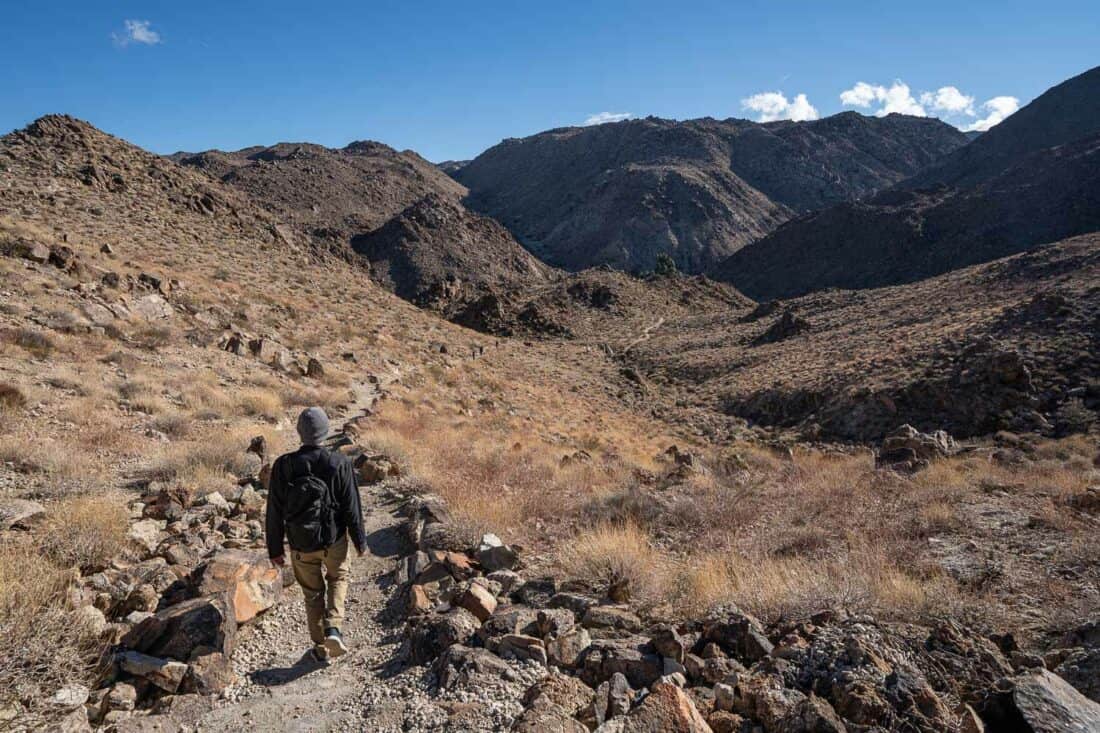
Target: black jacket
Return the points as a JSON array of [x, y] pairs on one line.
[[341, 478]]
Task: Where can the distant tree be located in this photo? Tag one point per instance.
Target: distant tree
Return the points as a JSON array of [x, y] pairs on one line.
[[666, 266]]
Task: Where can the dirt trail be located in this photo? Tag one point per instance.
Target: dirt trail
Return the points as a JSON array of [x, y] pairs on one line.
[[646, 333], [280, 688]]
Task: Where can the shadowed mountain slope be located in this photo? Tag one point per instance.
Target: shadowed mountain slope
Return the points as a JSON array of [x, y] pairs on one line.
[[621, 194]]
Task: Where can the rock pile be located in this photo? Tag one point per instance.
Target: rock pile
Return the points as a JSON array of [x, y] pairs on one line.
[[611, 670], [196, 572]]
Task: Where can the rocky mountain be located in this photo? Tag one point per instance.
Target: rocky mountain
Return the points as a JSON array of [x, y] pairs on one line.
[[621, 194], [328, 195], [437, 254], [1034, 178]]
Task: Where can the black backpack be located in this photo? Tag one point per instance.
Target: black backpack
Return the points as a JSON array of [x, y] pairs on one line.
[[310, 515]]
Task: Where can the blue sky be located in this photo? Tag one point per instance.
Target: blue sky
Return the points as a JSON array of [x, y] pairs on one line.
[[449, 79]]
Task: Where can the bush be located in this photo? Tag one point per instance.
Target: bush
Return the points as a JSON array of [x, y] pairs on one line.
[[37, 343], [665, 266], [85, 532], [11, 397], [43, 643], [619, 561]]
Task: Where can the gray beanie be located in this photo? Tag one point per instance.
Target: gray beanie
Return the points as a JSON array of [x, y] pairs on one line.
[[313, 426]]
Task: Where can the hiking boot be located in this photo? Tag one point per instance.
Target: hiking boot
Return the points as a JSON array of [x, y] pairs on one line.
[[334, 643], [319, 655]]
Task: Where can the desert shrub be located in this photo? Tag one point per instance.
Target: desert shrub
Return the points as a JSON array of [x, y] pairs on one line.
[[152, 337], [619, 561], [665, 266], [142, 395], [85, 532], [175, 425], [260, 403], [1073, 417], [43, 643], [36, 342], [11, 398]]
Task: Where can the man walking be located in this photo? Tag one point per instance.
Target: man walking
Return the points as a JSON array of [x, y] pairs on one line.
[[313, 503]]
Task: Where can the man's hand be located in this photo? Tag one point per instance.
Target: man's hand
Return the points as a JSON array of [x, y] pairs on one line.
[[279, 561]]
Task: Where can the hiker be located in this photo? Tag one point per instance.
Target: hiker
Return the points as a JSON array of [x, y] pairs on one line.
[[313, 501]]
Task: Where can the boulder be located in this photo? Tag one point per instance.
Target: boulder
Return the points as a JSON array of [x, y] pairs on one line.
[[575, 602], [614, 697], [508, 620], [739, 635], [478, 601], [668, 643], [1081, 668], [248, 578], [553, 622], [910, 449], [152, 307], [429, 635], [566, 650], [175, 632], [494, 555], [522, 647], [209, 674], [19, 513], [667, 709], [166, 674], [1040, 702], [145, 534], [634, 657], [547, 718], [375, 468], [567, 693], [460, 664], [611, 617], [33, 251]]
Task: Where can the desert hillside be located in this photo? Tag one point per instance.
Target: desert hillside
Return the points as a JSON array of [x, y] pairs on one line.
[[622, 503]]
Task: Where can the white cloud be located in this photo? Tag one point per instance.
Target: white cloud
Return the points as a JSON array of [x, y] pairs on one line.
[[602, 117], [949, 100], [861, 95], [895, 98], [137, 31], [998, 108], [771, 106]]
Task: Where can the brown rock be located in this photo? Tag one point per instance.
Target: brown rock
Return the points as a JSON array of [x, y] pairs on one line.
[[249, 578], [519, 646], [478, 601], [209, 674], [667, 709], [565, 650], [418, 602]]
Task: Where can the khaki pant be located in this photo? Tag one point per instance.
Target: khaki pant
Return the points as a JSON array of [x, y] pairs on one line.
[[323, 576]]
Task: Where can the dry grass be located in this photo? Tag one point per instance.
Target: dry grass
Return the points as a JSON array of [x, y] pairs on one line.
[[85, 532], [861, 579], [203, 464], [36, 343], [260, 402], [618, 561], [43, 644]]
